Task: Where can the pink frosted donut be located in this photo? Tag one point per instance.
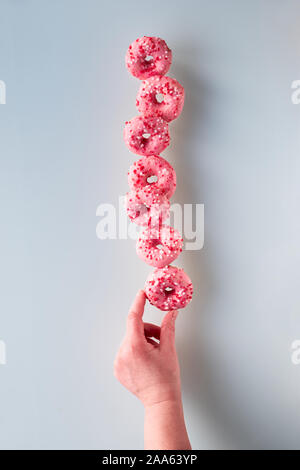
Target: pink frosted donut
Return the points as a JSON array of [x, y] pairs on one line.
[[153, 173], [159, 246], [148, 56], [146, 208], [146, 135], [162, 96], [169, 288]]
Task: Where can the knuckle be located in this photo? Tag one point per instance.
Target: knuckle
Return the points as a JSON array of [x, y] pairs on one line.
[[117, 359], [125, 357], [134, 348], [120, 364], [116, 368]]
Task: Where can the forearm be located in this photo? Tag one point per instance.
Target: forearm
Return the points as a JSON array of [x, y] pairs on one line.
[[165, 427]]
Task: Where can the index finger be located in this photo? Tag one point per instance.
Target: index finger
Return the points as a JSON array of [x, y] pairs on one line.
[[135, 325]]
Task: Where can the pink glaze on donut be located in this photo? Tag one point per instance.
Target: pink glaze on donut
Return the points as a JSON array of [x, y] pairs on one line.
[[147, 208], [159, 246], [153, 173], [148, 56], [169, 288], [146, 135], [161, 96]]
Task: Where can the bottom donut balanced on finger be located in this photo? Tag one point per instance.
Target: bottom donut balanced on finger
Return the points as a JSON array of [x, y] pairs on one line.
[[169, 288]]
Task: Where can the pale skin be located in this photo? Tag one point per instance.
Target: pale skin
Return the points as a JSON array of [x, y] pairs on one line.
[[150, 370]]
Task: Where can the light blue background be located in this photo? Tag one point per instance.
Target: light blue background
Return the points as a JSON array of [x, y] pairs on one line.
[[65, 294]]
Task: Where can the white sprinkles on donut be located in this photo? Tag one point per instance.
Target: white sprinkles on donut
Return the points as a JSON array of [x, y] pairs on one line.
[[169, 288], [148, 56], [147, 208], [146, 135], [159, 246], [153, 174], [161, 96]]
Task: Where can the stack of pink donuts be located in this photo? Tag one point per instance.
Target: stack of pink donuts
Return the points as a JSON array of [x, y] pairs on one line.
[[152, 179]]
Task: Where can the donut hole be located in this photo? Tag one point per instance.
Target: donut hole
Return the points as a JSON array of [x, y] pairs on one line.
[[141, 210], [148, 58], [159, 98], [145, 139], [157, 244], [169, 290], [152, 179]]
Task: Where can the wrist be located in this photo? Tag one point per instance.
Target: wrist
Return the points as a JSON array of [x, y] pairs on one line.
[[162, 397], [164, 405], [165, 426]]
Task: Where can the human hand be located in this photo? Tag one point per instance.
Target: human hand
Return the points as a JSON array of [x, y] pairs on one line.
[[147, 368]]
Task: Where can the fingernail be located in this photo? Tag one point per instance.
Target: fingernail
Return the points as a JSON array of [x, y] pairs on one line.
[[174, 314]]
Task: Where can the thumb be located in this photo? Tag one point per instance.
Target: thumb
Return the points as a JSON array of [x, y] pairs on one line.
[[167, 331]]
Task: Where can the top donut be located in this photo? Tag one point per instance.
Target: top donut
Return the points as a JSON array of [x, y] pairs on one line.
[[147, 57]]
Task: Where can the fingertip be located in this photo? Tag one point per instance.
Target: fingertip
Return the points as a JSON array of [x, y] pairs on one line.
[[139, 303], [141, 295]]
